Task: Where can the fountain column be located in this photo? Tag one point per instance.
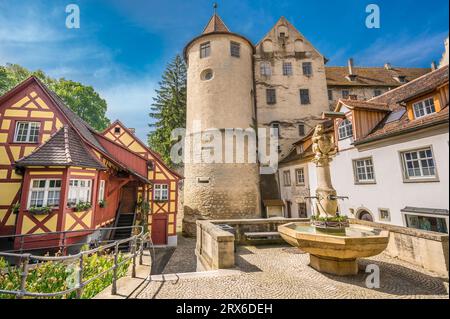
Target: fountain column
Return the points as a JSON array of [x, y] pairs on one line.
[[324, 148]]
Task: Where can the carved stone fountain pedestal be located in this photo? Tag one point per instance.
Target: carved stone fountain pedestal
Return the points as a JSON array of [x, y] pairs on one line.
[[333, 244]]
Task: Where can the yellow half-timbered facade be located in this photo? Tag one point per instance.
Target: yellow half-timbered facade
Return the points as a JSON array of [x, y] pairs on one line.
[[57, 174], [163, 196]]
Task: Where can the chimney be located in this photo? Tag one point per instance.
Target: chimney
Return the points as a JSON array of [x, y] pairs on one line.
[[433, 66], [353, 97], [388, 66], [350, 66], [132, 130]]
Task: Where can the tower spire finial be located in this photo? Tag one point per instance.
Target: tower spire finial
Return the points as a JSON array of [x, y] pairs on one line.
[[215, 6]]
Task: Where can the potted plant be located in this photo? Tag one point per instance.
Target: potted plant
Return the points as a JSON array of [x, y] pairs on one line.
[[16, 208], [44, 210], [82, 206], [102, 203]]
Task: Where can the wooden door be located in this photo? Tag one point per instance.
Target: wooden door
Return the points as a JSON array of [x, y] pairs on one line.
[[159, 229], [128, 200]]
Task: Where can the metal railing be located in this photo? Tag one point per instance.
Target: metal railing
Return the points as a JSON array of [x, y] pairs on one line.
[[137, 243]]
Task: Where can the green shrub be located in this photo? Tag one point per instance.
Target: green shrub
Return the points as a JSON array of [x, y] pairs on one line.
[[49, 277]]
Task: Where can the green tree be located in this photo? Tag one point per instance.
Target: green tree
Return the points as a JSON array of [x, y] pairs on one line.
[[169, 108], [82, 99]]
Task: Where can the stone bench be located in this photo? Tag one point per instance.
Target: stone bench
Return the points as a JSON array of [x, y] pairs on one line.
[[262, 236]]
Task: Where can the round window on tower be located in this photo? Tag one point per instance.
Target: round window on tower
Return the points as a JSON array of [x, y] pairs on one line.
[[207, 75]]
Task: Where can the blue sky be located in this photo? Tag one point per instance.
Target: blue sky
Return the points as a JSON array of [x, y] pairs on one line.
[[123, 46]]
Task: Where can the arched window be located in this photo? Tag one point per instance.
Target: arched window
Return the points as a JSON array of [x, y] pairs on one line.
[[345, 129], [365, 215]]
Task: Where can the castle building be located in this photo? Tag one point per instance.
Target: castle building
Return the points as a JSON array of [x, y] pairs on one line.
[[281, 83], [220, 95]]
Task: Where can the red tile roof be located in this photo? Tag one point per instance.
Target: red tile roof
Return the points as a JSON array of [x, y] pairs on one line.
[[64, 148], [215, 24], [366, 105], [394, 98], [371, 76]]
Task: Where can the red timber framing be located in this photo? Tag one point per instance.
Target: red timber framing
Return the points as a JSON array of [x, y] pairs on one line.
[[159, 174], [31, 101], [26, 102]]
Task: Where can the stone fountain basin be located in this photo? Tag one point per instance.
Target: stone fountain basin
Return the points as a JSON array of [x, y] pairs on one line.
[[359, 241]]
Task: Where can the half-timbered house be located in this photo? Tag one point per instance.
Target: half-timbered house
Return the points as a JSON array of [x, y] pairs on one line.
[[59, 174]]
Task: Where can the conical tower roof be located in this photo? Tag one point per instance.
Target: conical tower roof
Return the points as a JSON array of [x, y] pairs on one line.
[[215, 24]]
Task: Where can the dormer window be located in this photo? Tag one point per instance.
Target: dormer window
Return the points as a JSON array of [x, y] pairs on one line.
[[400, 78], [424, 108], [345, 129]]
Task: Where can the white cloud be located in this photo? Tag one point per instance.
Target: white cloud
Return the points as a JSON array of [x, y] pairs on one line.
[[403, 50], [129, 101]]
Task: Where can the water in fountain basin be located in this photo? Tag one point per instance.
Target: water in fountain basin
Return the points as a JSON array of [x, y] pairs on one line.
[[351, 231]]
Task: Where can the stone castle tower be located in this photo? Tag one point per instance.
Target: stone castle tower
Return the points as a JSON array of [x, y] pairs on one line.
[[220, 95]]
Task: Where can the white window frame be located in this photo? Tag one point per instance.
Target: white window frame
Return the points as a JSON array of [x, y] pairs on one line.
[[407, 177], [424, 107], [287, 178], [101, 190], [28, 132], [300, 178], [161, 192], [364, 170], [344, 129], [81, 193], [46, 189]]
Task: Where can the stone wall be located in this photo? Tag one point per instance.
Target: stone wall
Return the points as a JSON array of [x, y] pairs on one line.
[[215, 247], [426, 249]]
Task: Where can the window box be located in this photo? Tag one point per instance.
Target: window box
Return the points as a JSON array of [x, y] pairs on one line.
[[44, 210], [80, 207]]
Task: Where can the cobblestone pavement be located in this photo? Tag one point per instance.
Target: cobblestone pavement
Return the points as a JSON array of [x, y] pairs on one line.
[[283, 272], [183, 259]]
